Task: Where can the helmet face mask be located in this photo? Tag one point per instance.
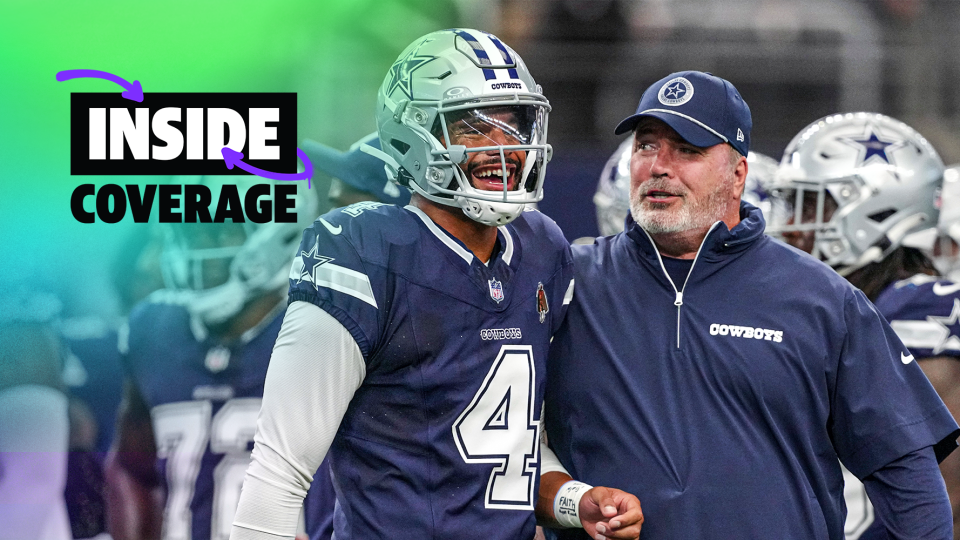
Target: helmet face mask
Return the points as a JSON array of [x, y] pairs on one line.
[[458, 102], [852, 188]]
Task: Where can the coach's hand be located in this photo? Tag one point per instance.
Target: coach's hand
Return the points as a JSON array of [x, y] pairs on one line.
[[610, 513]]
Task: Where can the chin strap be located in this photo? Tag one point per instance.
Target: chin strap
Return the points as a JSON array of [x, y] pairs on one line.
[[390, 164]]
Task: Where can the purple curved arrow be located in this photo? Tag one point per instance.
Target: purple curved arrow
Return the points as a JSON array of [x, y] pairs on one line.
[[133, 91], [231, 157]]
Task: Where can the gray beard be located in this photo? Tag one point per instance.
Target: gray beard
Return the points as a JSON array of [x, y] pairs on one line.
[[690, 216]]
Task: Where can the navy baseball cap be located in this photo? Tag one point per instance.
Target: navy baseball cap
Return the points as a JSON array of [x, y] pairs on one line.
[[357, 169], [702, 108]]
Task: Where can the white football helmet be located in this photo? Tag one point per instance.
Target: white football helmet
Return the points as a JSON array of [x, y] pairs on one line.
[[612, 198], [215, 269], [862, 184], [946, 252], [756, 189], [438, 105]]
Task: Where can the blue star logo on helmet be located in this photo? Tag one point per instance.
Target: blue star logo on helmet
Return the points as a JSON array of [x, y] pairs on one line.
[[401, 71], [871, 146], [675, 92]]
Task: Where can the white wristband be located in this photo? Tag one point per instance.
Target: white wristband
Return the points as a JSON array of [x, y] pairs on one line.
[[566, 505]]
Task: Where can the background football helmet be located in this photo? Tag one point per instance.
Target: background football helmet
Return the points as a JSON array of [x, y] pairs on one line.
[[215, 269], [612, 199], [946, 252], [863, 184], [756, 189], [450, 75]]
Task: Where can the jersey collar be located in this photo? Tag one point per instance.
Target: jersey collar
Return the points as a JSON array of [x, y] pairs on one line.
[[505, 240]]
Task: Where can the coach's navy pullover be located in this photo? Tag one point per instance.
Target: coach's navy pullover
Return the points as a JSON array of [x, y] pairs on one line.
[[724, 408]]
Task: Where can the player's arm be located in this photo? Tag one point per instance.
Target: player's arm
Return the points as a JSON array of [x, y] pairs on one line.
[[910, 497], [315, 369], [602, 512], [134, 495], [944, 374]]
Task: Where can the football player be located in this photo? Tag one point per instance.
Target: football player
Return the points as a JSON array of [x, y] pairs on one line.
[[93, 373], [34, 427], [861, 191], [196, 356], [413, 348], [612, 199]]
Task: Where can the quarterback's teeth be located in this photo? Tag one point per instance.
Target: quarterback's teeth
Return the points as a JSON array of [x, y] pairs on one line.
[[489, 172]]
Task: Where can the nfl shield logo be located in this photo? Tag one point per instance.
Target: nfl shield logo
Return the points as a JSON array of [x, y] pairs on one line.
[[217, 360], [496, 290]]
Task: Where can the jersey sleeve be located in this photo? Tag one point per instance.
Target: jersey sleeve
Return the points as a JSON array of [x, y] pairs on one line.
[[883, 406], [329, 272], [314, 371]]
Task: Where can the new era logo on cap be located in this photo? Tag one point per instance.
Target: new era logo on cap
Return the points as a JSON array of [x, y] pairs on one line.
[[702, 108]]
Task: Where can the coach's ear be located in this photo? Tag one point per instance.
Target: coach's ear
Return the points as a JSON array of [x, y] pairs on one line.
[[739, 171]]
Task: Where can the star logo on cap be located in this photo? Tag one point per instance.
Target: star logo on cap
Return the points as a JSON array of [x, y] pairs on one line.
[[401, 72], [871, 146], [676, 91]]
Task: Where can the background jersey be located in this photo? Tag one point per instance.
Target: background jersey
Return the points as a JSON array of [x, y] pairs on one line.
[[441, 438], [923, 311], [204, 399], [93, 373]]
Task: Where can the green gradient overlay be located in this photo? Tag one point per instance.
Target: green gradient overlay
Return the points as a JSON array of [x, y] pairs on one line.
[[333, 53]]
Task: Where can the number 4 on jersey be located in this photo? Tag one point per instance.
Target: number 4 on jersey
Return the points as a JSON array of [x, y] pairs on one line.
[[499, 427]]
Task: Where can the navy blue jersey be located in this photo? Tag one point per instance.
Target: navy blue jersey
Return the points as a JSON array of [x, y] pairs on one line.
[[94, 375], [204, 399], [441, 438], [925, 313], [725, 409]]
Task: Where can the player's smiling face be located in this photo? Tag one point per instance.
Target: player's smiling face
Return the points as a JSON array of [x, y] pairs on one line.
[[676, 186], [499, 126]]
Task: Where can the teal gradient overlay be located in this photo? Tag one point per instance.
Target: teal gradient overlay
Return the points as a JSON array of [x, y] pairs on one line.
[[333, 53]]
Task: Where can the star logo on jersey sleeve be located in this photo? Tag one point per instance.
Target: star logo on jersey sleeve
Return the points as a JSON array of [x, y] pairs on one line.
[[402, 70], [949, 329], [306, 264], [872, 147]]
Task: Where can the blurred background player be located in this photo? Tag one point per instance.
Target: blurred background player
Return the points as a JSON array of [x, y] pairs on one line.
[[612, 199], [861, 191], [196, 355], [93, 374], [34, 426], [356, 176]]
